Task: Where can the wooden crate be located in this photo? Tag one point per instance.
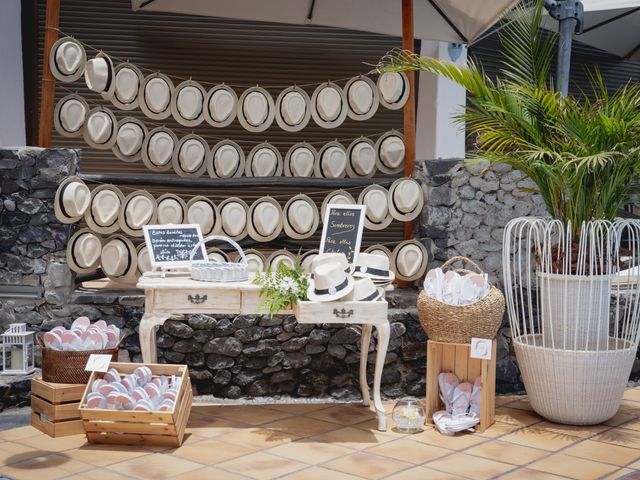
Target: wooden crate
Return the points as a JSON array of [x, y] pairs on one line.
[[454, 358], [54, 407], [131, 427]]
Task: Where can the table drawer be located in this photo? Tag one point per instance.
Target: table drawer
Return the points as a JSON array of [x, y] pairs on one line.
[[196, 300], [342, 312]]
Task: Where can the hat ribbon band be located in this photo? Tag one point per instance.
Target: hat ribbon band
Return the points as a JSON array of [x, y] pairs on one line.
[[332, 290], [370, 297], [372, 271]]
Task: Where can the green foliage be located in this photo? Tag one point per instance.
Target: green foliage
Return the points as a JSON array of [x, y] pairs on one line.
[[283, 287], [582, 152]]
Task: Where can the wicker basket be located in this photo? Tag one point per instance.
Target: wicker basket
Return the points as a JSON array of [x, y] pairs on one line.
[[207, 271], [68, 367], [461, 323]]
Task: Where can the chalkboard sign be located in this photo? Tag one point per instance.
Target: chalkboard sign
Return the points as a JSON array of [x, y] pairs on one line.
[[342, 230], [171, 245]]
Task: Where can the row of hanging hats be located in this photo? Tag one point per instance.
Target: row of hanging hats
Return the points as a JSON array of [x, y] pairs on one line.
[[190, 104]]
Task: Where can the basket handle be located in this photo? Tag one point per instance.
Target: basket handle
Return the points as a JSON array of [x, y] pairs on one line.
[[218, 237], [459, 258]]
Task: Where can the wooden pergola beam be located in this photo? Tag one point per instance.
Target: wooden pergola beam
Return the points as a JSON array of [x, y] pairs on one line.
[[47, 92], [409, 107]]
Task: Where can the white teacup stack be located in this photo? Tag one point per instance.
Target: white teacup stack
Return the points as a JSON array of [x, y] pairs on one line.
[[83, 336]]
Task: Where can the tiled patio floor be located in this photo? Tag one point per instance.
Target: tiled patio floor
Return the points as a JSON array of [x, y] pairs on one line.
[[340, 442]]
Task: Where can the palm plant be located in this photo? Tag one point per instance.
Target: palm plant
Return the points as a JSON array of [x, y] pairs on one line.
[[582, 152]]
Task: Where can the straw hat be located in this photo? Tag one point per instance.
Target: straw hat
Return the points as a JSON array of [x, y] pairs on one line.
[[70, 115], [190, 155], [137, 210], [378, 249], [390, 152], [300, 160], [406, 199], [100, 128], [394, 89], [300, 217], [128, 79], [102, 214], [171, 209], [331, 257], [99, 75], [256, 261], [306, 260], [233, 216], [130, 139], [362, 98], [202, 211], [409, 260], [217, 255], [256, 109], [373, 266], [67, 59], [220, 106], [332, 161], [157, 149], [364, 290], [83, 251], [155, 96], [329, 105], [361, 158], [264, 220], [144, 262], [292, 109], [187, 103], [72, 200], [280, 256], [119, 259], [339, 197], [264, 160], [225, 160], [330, 282], [376, 200]]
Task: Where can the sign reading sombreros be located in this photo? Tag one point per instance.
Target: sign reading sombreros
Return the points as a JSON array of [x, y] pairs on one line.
[[67, 59], [362, 98], [102, 214], [406, 199], [410, 260], [220, 106], [130, 139], [293, 109], [137, 210], [264, 160], [83, 251], [72, 200], [128, 79], [233, 215], [256, 109], [264, 222], [69, 115], [361, 158], [190, 155], [155, 96], [157, 149], [187, 103], [332, 161], [342, 230], [301, 217], [225, 160], [300, 160], [375, 199], [204, 212], [100, 128], [171, 209]]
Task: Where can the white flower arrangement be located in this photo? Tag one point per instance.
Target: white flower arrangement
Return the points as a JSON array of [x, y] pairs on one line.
[[283, 287]]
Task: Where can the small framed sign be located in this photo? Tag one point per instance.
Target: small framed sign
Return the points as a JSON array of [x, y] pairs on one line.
[[342, 230], [171, 245]]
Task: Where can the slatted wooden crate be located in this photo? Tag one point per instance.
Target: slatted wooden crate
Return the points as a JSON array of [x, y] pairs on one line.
[[130, 427], [454, 358], [54, 407]]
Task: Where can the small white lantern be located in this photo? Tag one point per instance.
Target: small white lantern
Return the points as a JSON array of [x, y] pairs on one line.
[[18, 354]]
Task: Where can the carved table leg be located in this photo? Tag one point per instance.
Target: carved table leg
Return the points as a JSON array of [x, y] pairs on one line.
[[383, 330], [147, 333], [364, 353]]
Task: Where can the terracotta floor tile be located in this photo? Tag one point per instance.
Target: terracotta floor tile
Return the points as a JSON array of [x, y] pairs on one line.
[[319, 473], [516, 416], [155, 467], [521, 404], [45, 467], [499, 429], [209, 452], [367, 465], [352, 438], [102, 455], [623, 472], [301, 426], [619, 419], [620, 436], [537, 438], [470, 466], [630, 407], [505, 399], [608, 453], [526, 474], [372, 425], [101, 474], [582, 431], [458, 442], [422, 473], [262, 466], [635, 465], [209, 427], [18, 433], [298, 408], [343, 414], [312, 453], [572, 467], [632, 425], [257, 438], [209, 473], [409, 451], [632, 394], [12, 452], [507, 452], [254, 415], [45, 442]]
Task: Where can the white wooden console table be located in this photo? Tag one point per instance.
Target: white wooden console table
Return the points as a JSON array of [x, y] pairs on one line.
[[175, 295]]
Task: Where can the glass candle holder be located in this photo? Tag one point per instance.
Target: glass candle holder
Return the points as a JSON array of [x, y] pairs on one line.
[[408, 416]]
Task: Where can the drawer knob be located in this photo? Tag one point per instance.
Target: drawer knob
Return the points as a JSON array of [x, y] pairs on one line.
[[342, 313], [197, 298]]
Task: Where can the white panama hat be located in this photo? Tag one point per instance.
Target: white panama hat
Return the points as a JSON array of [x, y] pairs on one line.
[[233, 217], [156, 92], [307, 258], [332, 257], [137, 210], [378, 249], [67, 59], [220, 106], [293, 109], [361, 158], [364, 290], [225, 160], [70, 115], [217, 255], [280, 256], [100, 128], [390, 151], [256, 261], [406, 199], [190, 155], [301, 217], [171, 209], [144, 262], [158, 148], [102, 214], [130, 139], [256, 109], [99, 75], [332, 161], [373, 266], [72, 200], [300, 160], [128, 79], [376, 200], [264, 160], [410, 260], [203, 211], [264, 220], [394, 89], [119, 259], [362, 98], [187, 103], [340, 197], [329, 105], [330, 282], [83, 251]]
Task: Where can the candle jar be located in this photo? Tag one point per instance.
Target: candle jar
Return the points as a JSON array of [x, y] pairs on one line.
[[408, 416]]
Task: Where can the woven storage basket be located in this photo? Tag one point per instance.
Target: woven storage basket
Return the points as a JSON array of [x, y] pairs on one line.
[[68, 367], [461, 323]]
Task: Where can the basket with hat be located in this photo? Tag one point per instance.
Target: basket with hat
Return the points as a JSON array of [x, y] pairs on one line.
[[208, 271]]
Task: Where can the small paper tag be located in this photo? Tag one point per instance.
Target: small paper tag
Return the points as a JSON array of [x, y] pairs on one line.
[[98, 363], [481, 348]]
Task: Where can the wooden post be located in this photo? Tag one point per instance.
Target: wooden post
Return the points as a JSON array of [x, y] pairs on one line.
[[47, 93]]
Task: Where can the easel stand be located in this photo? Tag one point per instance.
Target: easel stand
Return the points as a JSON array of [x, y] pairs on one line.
[[454, 358]]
